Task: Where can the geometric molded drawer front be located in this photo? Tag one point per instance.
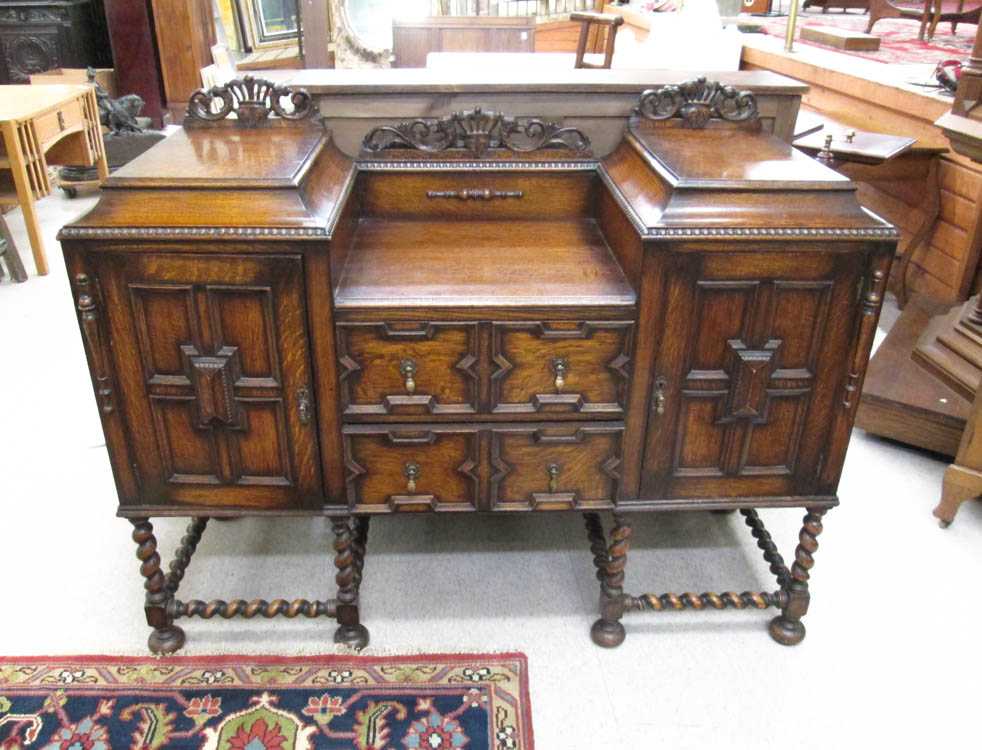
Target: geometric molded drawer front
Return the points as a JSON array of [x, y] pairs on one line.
[[555, 467], [580, 367], [410, 469], [51, 125], [411, 369]]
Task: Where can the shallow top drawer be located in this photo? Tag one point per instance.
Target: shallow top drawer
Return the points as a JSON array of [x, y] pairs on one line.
[[477, 195]]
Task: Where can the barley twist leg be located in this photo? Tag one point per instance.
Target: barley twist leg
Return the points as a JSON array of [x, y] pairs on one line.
[[166, 637], [608, 631], [350, 630], [787, 628]]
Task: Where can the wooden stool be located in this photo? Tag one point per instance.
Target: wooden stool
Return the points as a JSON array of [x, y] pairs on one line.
[[9, 254], [587, 23]]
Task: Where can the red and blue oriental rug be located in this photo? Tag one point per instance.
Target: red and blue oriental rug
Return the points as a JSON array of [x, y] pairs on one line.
[[424, 702]]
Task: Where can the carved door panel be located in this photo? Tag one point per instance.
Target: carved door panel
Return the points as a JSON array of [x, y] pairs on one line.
[[212, 356], [754, 353]]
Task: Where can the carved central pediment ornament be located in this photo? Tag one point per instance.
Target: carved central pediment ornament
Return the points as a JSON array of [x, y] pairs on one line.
[[251, 99], [477, 131], [697, 102]]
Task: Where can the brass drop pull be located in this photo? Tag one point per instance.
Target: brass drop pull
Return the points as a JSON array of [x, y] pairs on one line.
[[303, 405], [560, 366], [553, 471], [411, 470], [407, 368], [659, 403]]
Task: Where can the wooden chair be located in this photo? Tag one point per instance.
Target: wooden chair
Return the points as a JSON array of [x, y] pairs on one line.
[[9, 254], [930, 14], [592, 23]]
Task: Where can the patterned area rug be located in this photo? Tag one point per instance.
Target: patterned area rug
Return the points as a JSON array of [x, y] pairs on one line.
[[898, 38], [425, 702]]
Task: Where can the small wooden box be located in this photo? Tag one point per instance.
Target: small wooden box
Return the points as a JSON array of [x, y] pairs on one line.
[[841, 38]]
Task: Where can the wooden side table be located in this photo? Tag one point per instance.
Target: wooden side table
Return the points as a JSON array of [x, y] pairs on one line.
[[44, 125]]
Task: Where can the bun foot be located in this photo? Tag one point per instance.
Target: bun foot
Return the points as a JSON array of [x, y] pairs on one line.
[[607, 633], [786, 632], [166, 640], [355, 636]]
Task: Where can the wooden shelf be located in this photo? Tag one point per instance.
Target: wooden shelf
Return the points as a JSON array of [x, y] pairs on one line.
[[480, 264]]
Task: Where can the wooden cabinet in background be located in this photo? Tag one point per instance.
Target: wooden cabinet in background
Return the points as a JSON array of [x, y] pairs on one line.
[[38, 35], [185, 32], [413, 40]]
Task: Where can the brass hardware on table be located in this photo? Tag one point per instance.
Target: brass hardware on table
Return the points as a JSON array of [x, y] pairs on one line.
[[303, 405], [850, 135], [411, 470], [553, 471], [407, 368], [475, 194], [659, 403], [61, 120], [825, 155], [560, 366]]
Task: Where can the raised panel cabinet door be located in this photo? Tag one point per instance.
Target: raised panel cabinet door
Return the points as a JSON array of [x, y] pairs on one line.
[[408, 368], [566, 367], [754, 352], [212, 355]]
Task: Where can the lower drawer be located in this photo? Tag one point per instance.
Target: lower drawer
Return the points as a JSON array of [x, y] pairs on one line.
[[542, 466]]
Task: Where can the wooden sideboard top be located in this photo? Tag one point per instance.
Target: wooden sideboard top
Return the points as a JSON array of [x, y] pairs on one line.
[[425, 80], [714, 158], [226, 157]]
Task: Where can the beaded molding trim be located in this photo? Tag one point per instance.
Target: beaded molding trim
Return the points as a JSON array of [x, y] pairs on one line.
[[194, 232], [585, 165], [886, 233]]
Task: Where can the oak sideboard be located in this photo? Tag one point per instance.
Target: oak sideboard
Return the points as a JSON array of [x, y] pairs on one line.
[[478, 311]]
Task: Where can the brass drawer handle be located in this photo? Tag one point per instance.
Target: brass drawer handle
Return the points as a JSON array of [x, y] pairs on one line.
[[407, 368], [411, 470], [61, 120], [560, 366], [659, 403], [553, 471], [475, 194], [303, 405]]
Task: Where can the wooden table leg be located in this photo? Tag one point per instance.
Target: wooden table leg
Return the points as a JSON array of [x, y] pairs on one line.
[[963, 479], [10, 254], [25, 196]]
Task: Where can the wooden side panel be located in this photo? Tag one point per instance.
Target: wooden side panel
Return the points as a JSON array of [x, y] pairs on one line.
[[216, 378], [748, 374]]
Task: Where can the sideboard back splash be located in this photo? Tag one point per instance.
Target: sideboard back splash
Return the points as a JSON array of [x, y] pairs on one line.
[[476, 320]]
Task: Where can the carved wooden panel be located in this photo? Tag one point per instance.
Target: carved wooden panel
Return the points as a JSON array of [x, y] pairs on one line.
[[740, 370], [408, 469], [214, 354], [412, 369], [561, 367], [555, 467]]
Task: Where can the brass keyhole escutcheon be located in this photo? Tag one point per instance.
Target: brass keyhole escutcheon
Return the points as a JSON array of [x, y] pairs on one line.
[[560, 367], [303, 405], [411, 470], [658, 403], [407, 368], [553, 471]]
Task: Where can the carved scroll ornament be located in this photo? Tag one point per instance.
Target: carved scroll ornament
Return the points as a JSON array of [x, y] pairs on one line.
[[477, 131], [251, 99], [696, 102]]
